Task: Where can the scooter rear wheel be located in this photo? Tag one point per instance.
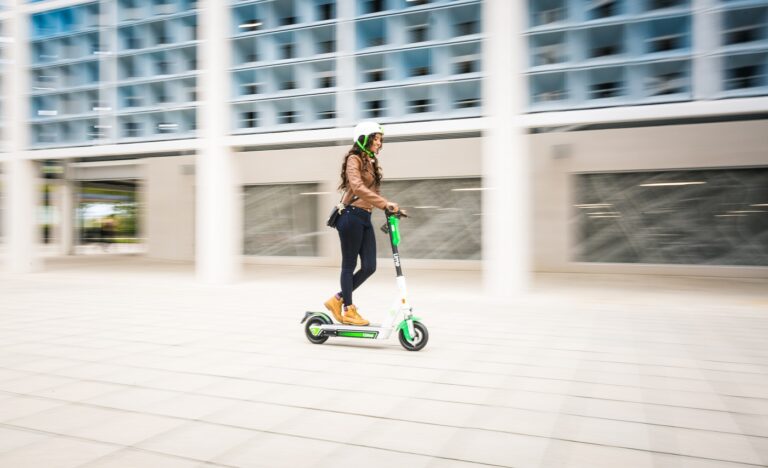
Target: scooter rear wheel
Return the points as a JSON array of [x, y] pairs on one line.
[[313, 323], [419, 341]]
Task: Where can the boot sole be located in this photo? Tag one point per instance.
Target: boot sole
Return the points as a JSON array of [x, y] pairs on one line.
[[347, 322]]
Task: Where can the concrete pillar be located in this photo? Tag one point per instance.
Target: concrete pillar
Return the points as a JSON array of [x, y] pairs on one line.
[[346, 77], [22, 230], [506, 198], [66, 226], [21, 174], [706, 70], [219, 203]]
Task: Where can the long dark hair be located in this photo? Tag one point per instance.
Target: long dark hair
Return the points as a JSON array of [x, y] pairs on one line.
[[356, 150]]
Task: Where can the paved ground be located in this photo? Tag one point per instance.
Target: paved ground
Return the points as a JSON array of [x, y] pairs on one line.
[[122, 362]]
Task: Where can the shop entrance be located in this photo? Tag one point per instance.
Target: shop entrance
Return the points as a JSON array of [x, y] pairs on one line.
[[107, 217]]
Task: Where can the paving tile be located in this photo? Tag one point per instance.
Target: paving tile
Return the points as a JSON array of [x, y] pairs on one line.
[[20, 406], [279, 451], [44, 365], [63, 419], [55, 451], [350, 456], [493, 448], [133, 398], [188, 406], [198, 440], [12, 374], [131, 458], [240, 389], [125, 428], [78, 391], [13, 438], [33, 383], [563, 379]]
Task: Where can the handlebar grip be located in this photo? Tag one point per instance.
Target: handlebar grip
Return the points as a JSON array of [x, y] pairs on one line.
[[396, 214]]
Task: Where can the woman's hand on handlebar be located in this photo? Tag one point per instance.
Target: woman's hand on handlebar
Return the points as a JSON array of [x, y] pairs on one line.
[[394, 208]]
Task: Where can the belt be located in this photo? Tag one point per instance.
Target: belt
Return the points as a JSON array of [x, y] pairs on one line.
[[352, 207]]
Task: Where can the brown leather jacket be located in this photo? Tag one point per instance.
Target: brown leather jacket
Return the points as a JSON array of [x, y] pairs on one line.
[[361, 183]]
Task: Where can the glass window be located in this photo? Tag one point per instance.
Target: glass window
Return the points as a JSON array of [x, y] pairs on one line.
[[375, 75], [420, 105], [744, 26], [250, 119], [597, 9], [697, 217], [326, 47], [326, 81], [288, 117], [419, 33], [374, 6], [446, 221], [668, 78], [326, 11], [167, 127], [746, 71], [281, 220], [667, 34], [549, 49], [251, 88], [607, 83], [547, 11], [549, 87], [287, 51], [661, 4], [375, 108], [132, 129], [605, 42], [325, 115]]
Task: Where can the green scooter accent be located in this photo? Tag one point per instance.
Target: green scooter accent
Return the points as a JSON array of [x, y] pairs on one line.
[[323, 315], [357, 334], [404, 327], [394, 226]]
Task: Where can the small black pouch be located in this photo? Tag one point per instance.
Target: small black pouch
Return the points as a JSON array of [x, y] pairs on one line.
[[333, 217]]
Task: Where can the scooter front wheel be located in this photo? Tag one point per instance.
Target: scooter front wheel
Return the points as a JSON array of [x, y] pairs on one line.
[[419, 340], [312, 330]]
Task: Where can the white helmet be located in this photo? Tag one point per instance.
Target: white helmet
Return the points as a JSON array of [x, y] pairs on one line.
[[365, 129]]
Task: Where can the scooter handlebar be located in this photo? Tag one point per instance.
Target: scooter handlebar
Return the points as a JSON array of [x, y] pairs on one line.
[[397, 214]]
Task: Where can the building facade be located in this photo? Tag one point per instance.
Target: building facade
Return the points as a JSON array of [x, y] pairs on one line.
[[547, 135]]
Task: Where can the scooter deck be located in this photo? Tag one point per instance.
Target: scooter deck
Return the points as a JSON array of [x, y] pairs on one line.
[[352, 331], [340, 326]]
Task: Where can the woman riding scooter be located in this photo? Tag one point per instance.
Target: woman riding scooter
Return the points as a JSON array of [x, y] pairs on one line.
[[361, 181]]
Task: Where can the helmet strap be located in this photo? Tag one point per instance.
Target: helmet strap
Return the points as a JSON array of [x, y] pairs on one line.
[[363, 147]]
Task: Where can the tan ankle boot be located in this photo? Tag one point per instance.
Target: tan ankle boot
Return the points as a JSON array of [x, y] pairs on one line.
[[351, 317], [334, 306]]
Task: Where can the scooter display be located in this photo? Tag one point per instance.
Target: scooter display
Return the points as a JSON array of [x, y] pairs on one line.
[[412, 333]]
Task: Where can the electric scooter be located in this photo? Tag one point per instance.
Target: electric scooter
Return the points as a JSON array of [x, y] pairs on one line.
[[410, 330]]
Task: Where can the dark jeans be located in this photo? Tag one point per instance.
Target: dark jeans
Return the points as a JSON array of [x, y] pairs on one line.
[[357, 239]]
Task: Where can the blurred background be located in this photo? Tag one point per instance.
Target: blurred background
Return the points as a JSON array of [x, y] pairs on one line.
[[641, 127]]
